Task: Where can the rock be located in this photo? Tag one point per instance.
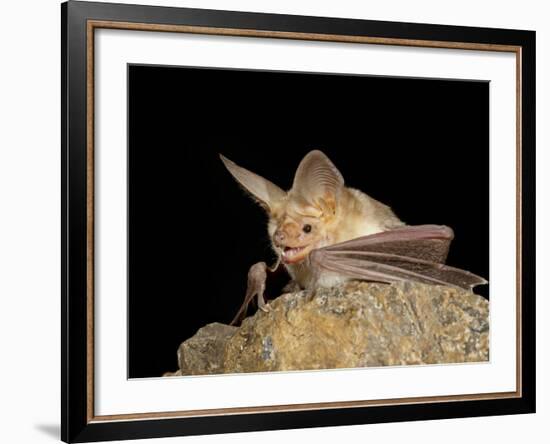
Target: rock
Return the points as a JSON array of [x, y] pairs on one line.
[[204, 352], [176, 373], [357, 324]]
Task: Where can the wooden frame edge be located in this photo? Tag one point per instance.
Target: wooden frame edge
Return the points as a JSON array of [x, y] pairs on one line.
[[337, 38], [300, 407]]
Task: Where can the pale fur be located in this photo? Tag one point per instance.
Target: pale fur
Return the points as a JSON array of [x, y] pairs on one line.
[[318, 198], [357, 214]]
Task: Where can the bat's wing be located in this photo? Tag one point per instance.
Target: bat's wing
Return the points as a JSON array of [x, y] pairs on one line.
[[255, 288], [413, 253]]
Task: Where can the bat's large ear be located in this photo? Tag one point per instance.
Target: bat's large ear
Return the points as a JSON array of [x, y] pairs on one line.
[[267, 193], [318, 180]]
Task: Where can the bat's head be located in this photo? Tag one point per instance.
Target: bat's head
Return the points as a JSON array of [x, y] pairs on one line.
[[303, 218]]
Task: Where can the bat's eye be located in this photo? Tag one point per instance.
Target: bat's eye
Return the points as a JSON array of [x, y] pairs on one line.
[[306, 228]]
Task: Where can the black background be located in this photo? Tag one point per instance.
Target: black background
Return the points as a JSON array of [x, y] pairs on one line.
[[418, 145]]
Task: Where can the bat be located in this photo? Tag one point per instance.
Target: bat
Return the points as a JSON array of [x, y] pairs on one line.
[[325, 233]]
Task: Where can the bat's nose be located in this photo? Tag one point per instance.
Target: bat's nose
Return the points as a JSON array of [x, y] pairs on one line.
[[279, 237]]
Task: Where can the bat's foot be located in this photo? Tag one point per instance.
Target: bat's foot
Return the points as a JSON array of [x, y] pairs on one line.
[[309, 295], [291, 287], [262, 304], [266, 308]]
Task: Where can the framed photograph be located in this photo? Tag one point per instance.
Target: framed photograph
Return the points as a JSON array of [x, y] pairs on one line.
[[275, 221]]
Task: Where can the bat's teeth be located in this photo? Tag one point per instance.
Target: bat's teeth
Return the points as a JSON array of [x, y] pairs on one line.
[[288, 252]]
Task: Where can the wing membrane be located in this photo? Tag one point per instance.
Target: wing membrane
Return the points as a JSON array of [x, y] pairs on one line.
[[415, 253]]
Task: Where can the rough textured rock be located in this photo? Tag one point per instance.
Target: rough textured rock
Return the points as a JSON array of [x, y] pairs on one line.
[[358, 324], [204, 352]]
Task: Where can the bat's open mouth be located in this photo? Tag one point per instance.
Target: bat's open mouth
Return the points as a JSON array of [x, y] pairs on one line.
[[294, 254]]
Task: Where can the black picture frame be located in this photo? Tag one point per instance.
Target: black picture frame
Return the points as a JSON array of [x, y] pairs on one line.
[[78, 423]]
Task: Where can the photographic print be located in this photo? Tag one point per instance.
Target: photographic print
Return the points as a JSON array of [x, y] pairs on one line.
[[283, 221], [275, 221]]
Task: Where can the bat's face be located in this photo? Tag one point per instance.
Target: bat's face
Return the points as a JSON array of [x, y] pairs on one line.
[[301, 219], [295, 230]]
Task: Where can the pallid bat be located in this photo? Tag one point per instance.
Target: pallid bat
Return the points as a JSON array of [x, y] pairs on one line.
[[325, 233]]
